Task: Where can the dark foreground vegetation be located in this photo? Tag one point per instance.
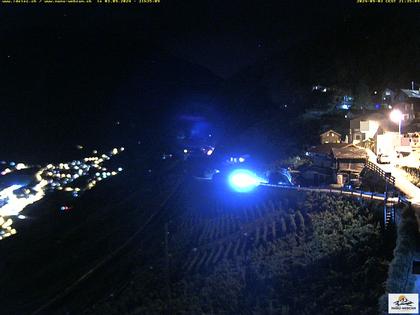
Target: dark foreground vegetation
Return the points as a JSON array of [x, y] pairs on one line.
[[413, 174], [286, 253], [372, 182], [400, 278]]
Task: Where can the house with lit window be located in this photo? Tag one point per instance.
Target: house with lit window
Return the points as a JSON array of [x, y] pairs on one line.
[[330, 136], [408, 102], [334, 162], [387, 98], [387, 143], [410, 142], [391, 142], [320, 88], [365, 127], [344, 102]]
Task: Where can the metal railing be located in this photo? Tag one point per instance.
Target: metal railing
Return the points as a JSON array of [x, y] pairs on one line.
[[375, 168], [341, 191]]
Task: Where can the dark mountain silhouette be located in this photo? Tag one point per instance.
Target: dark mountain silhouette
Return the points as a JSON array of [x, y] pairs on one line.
[[97, 91], [373, 51]]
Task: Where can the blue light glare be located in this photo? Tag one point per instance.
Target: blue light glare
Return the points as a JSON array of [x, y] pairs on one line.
[[242, 180]]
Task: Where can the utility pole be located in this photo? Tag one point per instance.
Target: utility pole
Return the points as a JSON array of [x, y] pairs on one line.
[[399, 129]]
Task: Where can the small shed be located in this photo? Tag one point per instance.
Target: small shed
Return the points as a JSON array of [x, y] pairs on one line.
[[315, 175], [321, 155], [349, 161]]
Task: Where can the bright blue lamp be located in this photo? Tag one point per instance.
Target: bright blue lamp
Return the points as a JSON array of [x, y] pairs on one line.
[[242, 180]]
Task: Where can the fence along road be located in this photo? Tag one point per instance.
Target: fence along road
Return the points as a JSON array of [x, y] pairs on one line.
[[350, 192], [402, 183]]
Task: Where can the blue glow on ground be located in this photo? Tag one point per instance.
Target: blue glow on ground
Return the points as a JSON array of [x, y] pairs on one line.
[[242, 180]]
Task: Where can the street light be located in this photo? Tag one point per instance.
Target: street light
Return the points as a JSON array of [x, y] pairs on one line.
[[243, 181], [396, 116]]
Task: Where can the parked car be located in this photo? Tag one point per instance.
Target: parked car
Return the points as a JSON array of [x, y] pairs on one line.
[[383, 159]]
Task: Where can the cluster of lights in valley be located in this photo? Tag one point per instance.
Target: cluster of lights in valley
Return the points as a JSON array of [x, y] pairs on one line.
[[72, 177]]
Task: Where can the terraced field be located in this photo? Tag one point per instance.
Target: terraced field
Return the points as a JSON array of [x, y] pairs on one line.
[[261, 253], [231, 236]]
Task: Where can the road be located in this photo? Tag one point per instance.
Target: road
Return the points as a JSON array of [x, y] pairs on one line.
[[401, 182]]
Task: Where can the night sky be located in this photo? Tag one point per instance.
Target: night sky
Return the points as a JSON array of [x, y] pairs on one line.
[[221, 35], [69, 71]]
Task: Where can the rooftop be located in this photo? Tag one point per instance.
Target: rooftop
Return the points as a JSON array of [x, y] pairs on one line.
[[330, 130], [377, 116], [326, 148], [412, 93], [349, 152]]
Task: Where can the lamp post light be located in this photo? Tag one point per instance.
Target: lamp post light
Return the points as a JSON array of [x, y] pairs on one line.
[[396, 116]]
